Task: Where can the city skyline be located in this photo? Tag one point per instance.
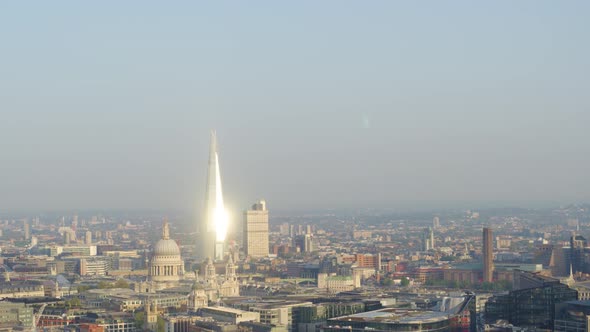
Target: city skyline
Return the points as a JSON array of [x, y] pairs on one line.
[[311, 166]]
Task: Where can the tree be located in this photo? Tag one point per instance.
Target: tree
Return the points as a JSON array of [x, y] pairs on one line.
[[139, 319], [83, 288], [104, 284], [386, 282], [160, 325], [121, 283], [405, 282], [73, 302]]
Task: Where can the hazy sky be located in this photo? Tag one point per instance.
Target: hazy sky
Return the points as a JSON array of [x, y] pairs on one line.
[[317, 104]]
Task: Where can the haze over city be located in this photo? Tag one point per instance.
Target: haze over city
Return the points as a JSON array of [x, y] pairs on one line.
[[325, 166], [316, 105]]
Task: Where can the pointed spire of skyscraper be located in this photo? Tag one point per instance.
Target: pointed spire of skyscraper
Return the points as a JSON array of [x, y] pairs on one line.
[[214, 225]]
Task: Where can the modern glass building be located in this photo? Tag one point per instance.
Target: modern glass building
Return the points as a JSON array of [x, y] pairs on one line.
[[533, 302], [572, 316]]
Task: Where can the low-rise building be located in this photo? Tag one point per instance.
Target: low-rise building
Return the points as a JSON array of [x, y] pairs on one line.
[[16, 315], [229, 315], [572, 316], [391, 319], [112, 322], [19, 289]]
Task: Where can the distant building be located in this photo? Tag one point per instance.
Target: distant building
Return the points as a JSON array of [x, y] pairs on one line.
[[114, 321], [21, 289], [94, 266], [427, 239], [313, 317], [397, 319], [435, 222], [255, 230], [88, 238], [180, 323], [229, 315], [579, 254], [213, 227], [73, 250], [284, 229], [361, 234], [27, 229], [87, 327], [16, 316], [572, 316], [532, 303], [488, 255], [334, 284], [276, 312], [166, 267], [369, 260], [304, 243], [211, 286], [124, 299]]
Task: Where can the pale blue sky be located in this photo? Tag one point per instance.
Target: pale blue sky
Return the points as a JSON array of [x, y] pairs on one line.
[[317, 104]]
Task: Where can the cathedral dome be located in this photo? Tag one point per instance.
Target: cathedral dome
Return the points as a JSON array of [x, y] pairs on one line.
[[166, 264], [166, 247]]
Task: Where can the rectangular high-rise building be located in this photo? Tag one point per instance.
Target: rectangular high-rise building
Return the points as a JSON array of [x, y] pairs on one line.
[[256, 230], [427, 239], [436, 222], [488, 255], [27, 229]]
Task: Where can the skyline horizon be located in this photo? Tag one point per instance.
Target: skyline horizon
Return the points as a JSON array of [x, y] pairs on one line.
[[408, 207]]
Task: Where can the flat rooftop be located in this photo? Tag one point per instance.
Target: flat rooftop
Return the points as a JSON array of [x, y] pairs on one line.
[[395, 316], [224, 309], [584, 303], [126, 294]]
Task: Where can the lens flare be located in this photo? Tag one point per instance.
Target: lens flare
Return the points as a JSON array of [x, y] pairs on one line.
[[221, 224], [221, 219]]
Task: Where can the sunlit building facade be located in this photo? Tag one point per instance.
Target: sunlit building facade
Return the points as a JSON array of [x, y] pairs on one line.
[[256, 230]]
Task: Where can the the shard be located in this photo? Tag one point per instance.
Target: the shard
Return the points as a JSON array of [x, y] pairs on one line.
[[213, 227]]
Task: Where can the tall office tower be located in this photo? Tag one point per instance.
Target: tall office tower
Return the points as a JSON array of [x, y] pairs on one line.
[[427, 239], [488, 255], [578, 245], [435, 222], [88, 238], [213, 228], [75, 222], [308, 244], [256, 230], [27, 229], [431, 234]]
